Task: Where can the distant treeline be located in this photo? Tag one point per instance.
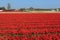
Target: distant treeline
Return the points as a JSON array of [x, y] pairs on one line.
[[30, 9]]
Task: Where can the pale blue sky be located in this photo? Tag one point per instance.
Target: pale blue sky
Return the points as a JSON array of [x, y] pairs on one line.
[[31, 3]]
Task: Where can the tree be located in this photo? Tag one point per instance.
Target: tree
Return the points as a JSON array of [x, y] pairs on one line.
[[31, 8], [9, 6], [22, 9], [2, 8]]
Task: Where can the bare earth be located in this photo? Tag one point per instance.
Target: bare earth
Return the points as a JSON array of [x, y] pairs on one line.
[[25, 12]]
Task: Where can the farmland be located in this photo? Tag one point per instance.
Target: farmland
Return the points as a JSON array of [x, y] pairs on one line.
[[29, 26]]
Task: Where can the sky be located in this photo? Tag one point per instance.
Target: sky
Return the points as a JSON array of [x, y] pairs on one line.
[[15, 4]]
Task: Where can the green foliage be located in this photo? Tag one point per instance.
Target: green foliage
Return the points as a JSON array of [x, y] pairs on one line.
[[22, 9], [2, 8]]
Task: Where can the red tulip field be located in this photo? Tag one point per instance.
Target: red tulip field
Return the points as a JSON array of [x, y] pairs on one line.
[[30, 26]]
